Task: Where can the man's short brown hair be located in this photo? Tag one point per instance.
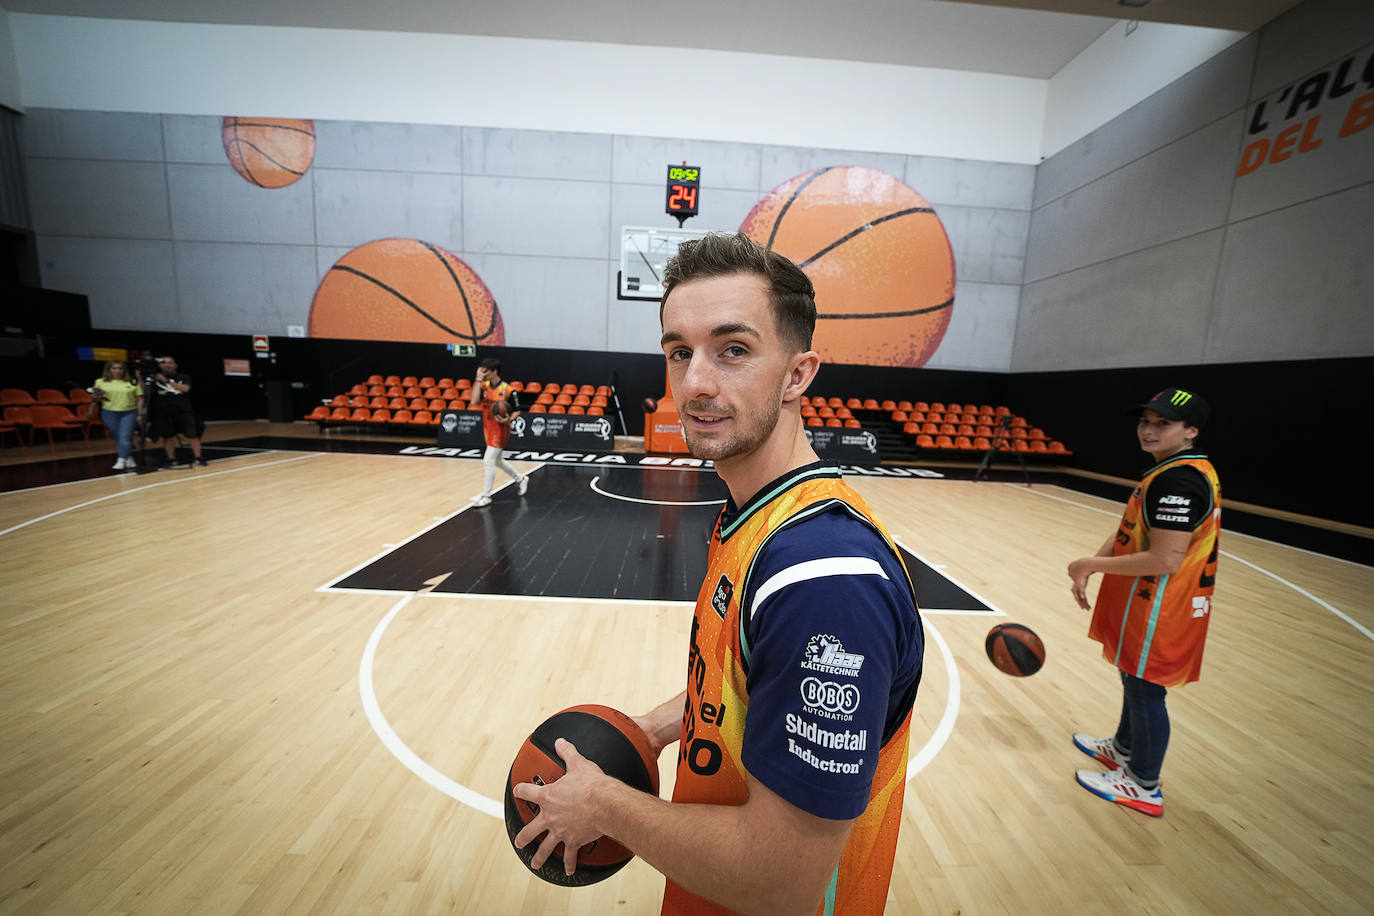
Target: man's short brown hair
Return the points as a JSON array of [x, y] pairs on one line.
[[790, 291]]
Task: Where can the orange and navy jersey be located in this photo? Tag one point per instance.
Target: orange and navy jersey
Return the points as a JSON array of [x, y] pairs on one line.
[[1155, 627], [496, 433], [803, 666]]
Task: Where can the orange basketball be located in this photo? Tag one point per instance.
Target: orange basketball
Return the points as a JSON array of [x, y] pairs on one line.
[[405, 289], [269, 152], [877, 254]]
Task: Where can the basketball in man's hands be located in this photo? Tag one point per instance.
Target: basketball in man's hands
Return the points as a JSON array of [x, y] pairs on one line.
[[606, 737]]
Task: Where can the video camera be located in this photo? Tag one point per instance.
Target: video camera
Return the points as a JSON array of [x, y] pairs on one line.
[[146, 364]]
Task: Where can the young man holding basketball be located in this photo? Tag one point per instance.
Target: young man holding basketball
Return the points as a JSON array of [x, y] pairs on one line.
[[498, 404], [1159, 571], [806, 645]]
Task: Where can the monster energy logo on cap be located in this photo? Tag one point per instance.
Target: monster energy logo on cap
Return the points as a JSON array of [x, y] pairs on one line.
[[1178, 404]]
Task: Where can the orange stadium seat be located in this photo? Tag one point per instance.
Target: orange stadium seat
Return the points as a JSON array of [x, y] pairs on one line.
[[530, 387], [603, 391], [79, 396], [870, 404], [358, 401], [599, 400], [911, 428], [922, 406], [414, 391], [428, 382], [417, 403], [564, 399], [814, 421], [446, 382], [938, 407], [834, 402], [420, 418], [375, 391], [374, 380], [457, 404], [854, 404], [843, 413], [963, 442], [934, 416], [1038, 445], [1001, 411], [463, 384], [1018, 432], [985, 410], [825, 411], [395, 391], [835, 422], [1021, 445], [51, 396], [982, 443], [557, 408], [380, 417], [588, 390], [899, 416], [539, 408], [1057, 448], [917, 416], [983, 431], [595, 412], [432, 391], [391, 380], [851, 423], [409, 381], [436, 404], [965, 430], [358, 389], [889, 406], [955, 408], [400, 416], [924, 441], [396, 403], [929, 428], [944, 442], [947, 429], [553, 388], [360, 415], [320, 413], [582, 400], [449, 394], [376, 402], [517, 386], [905, 405], [577, 409], [338, 415], [1037, 433]]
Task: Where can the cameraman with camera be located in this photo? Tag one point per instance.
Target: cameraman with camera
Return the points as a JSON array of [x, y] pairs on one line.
[[172, 415]]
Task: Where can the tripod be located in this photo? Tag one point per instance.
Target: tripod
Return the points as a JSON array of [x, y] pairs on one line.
[[1002, 437]]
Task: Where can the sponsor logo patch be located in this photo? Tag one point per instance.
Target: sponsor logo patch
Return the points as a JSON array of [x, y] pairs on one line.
[[825, 653], [720, 601], [829, 699], [840, 740]]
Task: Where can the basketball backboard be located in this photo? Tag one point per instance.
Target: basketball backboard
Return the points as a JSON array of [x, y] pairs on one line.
[[644, 251]]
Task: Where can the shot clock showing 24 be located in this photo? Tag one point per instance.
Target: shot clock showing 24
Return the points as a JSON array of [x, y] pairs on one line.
[[684, 181]]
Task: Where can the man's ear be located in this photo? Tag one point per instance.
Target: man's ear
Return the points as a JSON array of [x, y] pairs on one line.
[[801, 372]]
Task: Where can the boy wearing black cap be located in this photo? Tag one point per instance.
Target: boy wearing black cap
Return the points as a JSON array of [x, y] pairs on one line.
[[1159, 571]]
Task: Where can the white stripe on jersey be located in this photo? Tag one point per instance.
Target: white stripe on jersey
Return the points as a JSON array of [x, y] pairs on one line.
[[816, 569]]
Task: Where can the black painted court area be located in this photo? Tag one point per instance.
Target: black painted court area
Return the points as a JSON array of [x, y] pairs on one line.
[[589, 532]]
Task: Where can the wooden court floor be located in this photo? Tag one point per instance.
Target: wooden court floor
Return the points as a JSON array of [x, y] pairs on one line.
[[189, 724]]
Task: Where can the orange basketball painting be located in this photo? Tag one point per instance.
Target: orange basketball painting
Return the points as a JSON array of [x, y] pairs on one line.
[[877, 254], [269, 152], [405, 289]]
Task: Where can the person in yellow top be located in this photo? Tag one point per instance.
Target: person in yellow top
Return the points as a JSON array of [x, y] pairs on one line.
[[1159, 572], [120, 401], [805, 652]]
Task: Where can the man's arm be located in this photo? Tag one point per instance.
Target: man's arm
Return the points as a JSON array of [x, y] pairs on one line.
[[663, 724], [765, 856]]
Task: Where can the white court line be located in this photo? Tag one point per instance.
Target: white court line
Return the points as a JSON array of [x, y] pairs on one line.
[[69, 483], [1230, 556], [942, 731], [328, 587], [481, 803], [654, 502], [995, 610], [151, 486], [393, 742]]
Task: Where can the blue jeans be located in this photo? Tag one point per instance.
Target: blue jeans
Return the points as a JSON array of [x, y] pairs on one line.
[[1144, 728], [120, 423]]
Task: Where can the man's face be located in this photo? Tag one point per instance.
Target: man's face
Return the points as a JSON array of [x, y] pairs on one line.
[[726, 364], [167, 364]]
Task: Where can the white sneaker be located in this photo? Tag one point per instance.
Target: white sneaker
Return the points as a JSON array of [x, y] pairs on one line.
[[119, 464], [1120, 787], [1103, 750], [524, 484], [481, 500]]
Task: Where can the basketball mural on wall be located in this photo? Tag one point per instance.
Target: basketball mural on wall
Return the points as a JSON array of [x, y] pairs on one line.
[[879, 258], [405, 289], [269, 152]]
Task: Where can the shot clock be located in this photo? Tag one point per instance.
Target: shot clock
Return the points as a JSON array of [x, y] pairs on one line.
[[684, 181]]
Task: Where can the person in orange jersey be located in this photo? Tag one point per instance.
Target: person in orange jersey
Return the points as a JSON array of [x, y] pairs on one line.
[[806, 645], [1159, 571], [499, 406]]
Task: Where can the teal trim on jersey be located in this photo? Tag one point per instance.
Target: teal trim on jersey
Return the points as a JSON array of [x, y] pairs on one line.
[[1150, 629], [1121, 637], [1172, 458], [759, 502], [830, 893]]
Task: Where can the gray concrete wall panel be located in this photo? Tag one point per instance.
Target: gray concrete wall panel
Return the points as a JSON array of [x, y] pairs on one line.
[[982, 329], [388, 147], [256, 289], [1298, 283], [1210, 91], [1308, 37], [989, 245], [534, 216], [353, 207], [724, 166], [122, 135], [130, 283], [213, 203], [1179, 190], [194, 138], [783, 162], [1147, 308], [536, 154], [970, 182], [89, 197], [547, 302]]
